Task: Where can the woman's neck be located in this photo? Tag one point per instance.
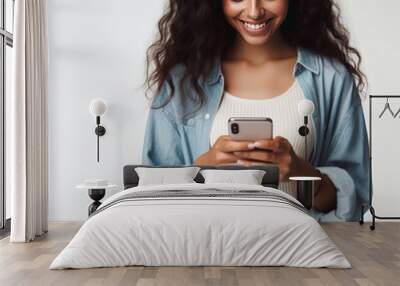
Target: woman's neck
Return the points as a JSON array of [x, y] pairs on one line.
[[274, 49]]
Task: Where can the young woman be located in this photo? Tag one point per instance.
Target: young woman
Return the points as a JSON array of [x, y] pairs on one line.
[[216, 59]]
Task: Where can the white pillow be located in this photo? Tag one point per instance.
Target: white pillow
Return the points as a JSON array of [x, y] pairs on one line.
[[164, 176], [248, 177]]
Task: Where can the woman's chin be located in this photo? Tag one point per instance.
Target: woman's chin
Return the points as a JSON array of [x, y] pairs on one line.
[[256, 41]]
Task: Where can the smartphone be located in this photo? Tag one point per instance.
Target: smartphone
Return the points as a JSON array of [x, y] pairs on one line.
[[250, 128]]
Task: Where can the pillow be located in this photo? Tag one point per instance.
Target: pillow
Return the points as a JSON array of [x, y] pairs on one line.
[[162, 176], [248, 177]]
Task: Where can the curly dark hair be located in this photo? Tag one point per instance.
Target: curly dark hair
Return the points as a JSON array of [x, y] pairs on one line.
[[195, 33]]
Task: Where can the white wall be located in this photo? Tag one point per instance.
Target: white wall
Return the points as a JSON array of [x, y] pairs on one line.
[[374, 28], [97, 49]]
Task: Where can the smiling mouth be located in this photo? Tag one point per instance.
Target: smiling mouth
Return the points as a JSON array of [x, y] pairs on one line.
[[256, 27]]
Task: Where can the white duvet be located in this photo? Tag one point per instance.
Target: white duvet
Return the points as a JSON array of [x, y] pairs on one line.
[[200, 231]]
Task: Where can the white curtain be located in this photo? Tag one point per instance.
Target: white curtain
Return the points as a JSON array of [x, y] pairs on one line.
[[28, 122]]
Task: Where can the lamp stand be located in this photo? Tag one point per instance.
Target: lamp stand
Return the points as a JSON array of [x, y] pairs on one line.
[[303, 131], [99, 131]]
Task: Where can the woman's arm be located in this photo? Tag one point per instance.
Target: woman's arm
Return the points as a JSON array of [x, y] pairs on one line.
[[161, 140], [344, 159]]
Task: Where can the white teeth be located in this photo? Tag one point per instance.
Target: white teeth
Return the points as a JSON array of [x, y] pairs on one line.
[[254, 26]]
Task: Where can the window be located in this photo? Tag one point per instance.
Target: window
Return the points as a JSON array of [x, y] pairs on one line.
[[6, 44]]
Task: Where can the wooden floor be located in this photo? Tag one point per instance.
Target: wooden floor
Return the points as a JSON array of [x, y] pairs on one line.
[[375, 257]]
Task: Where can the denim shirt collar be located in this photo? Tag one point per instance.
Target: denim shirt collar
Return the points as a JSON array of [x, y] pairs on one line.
[[304, 59], [307, 60]]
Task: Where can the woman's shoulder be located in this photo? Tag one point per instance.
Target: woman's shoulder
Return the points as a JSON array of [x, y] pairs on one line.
[[175, 97], [163, 95], [334, 84], [326, 67], [213, 74], [177, 72]]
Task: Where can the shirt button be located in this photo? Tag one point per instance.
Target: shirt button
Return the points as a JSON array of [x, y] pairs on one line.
[[207, 116]]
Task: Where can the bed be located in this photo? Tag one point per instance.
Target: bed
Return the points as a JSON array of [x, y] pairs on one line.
[[198, 224]]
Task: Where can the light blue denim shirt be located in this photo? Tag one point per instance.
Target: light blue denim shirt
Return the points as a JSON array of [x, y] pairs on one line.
[[340, 142]]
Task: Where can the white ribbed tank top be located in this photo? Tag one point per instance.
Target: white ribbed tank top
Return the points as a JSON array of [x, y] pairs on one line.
[[281, 109]]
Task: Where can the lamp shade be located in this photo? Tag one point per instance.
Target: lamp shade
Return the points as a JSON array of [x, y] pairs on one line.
[[306, 107], [97, 107]]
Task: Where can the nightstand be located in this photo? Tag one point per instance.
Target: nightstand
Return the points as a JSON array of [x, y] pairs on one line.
[[96, 193], [307, 188]]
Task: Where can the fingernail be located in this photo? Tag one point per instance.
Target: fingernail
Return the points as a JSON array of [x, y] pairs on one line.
[[240, 162], [251, 146], [257, 144], [236, 153]]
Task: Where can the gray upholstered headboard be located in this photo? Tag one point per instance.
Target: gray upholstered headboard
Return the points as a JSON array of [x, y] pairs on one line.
[[271, 177]]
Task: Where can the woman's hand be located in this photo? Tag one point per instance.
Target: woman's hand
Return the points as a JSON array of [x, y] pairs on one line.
[[277, 151], [222, 153]]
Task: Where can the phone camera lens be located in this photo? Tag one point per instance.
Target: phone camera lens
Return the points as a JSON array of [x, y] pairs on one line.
[[235, 128]]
